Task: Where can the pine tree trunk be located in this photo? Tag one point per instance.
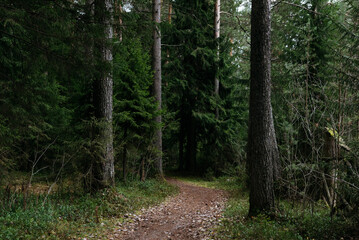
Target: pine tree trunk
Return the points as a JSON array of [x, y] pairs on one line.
[[169, 18], [157, 80], [262, 146], [103, 90]]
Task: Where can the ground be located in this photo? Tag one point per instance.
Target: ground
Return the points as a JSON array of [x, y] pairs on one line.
[[192, 214]]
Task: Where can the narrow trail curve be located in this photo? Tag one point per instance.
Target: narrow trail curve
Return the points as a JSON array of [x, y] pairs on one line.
[[192, 214]]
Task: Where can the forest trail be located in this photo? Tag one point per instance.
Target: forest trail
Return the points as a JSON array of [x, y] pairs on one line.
[[192, 214]]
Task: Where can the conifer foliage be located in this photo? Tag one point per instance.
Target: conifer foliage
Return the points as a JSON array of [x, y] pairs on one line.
[[93, 89]]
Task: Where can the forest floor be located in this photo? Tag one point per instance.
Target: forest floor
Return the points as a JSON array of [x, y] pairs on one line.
[[192, 214]]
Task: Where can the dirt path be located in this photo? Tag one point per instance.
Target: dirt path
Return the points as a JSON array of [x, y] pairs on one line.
[[191, 214]]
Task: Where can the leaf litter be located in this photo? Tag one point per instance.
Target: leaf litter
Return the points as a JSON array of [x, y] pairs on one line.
[[192, 214]]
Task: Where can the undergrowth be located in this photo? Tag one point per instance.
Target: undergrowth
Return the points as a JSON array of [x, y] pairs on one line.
[[293, 221], [70, 215]]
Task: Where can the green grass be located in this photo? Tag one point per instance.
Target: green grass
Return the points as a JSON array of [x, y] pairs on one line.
[[230, 184], [236, 225], [291, 222], [69, 215]]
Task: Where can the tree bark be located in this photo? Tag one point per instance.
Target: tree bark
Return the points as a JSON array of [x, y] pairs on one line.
[[181, 138], [124, 157], [156, 62], [169, 18], [217, 24], [103, 91], [262, 146], [120, 22]]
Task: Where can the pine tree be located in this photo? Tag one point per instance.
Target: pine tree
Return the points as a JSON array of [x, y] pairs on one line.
[[262, 146], [104, 171], [157, 86], [134, 106]]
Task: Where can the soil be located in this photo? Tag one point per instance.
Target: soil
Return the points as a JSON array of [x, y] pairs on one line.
[[192, 214]]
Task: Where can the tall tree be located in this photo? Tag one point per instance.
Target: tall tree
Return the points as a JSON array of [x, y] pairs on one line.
[[157, 86], [262, 146], [134, 107], [217, 24], [104, 170]]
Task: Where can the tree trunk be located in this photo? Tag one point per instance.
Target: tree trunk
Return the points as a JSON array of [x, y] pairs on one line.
[[262, 146], [143, 171], [156, 62], [103, 90], [181, 138], [120, 21], [124, 157], [191, 147], [169, 18], [216, 36]]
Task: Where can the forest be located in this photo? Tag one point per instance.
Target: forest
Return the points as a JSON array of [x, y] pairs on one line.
[[122, 119]]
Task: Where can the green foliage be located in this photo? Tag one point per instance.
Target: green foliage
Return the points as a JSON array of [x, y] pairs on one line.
[[36, 111], [205, 143], [49, 57], [134, 106], [310, 44], [292, 221]]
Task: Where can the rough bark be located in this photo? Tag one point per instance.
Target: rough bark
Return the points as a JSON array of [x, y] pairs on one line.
[[157, 91], [262, 146], [103, 91]]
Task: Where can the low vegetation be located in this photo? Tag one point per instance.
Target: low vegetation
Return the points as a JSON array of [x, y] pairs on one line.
[[68, 214], [292, 221]]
